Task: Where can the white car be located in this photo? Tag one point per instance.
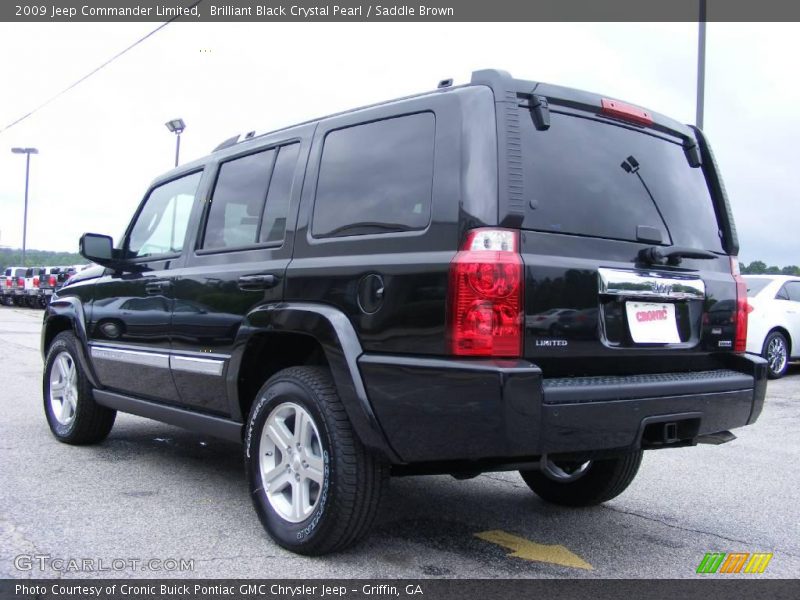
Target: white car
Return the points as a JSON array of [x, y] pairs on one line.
[[773, 326]]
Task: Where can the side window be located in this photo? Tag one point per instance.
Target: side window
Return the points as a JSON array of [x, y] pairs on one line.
[[376, 178], [161, 225], [273, 225], [793, 290], [237, 202]]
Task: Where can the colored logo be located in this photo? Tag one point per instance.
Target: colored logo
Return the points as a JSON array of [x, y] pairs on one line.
[[735, 562]]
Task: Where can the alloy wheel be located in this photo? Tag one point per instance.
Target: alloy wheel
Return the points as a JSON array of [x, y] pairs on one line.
[[291, 462], [64, 388]]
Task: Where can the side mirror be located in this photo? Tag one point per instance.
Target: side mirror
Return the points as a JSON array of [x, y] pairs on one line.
[[98, 248]]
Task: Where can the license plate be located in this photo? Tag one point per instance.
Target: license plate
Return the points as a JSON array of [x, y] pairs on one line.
[[652, 323]]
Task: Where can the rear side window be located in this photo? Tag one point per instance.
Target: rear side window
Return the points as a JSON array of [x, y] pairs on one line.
[[239, 195], [273, 225], [754, 286], [593, 178], [792, 290], [376, 178]]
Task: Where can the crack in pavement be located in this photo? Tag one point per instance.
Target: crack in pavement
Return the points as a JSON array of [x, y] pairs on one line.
[[656, 520], [688, 529]]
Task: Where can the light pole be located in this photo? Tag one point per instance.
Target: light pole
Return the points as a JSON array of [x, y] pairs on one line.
[[27, 152], [701, 63], [176, 126]]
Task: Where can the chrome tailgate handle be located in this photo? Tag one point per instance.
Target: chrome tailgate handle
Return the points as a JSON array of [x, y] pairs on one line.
[[650, 284]]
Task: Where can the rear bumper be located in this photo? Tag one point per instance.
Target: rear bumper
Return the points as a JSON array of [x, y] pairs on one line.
[[434, 410]]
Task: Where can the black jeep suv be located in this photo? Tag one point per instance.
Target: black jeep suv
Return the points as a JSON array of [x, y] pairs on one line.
[[501, 275]]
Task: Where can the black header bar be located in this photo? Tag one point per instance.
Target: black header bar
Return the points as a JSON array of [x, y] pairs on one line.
[[396, 10]]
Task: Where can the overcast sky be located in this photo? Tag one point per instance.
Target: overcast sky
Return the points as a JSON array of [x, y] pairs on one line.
[[103, 142]]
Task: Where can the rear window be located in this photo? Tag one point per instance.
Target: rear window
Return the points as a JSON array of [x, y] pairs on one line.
[[594, 178], [754, 286]]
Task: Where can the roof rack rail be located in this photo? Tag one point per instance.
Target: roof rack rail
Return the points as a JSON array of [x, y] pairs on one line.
[[231, 141]]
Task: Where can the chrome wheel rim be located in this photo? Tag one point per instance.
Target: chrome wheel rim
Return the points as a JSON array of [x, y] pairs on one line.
[[564, 473], [291, 463], [64, 388], [776, 355]]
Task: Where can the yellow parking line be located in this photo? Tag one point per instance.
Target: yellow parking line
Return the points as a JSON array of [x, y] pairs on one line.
[[527, 550]]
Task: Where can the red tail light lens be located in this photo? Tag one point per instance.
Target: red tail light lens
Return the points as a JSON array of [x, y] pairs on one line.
[[8, 282], [21, 282], [742, 308], [35, 282], [485, 314], [52, 281]]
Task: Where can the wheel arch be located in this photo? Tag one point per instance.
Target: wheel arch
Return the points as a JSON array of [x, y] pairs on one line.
[[785, 333], [66, 314], [306, 334]]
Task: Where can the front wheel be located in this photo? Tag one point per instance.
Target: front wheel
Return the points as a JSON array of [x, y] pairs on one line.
[[72, 414], [315, 487], [776, 353], [574, 483]]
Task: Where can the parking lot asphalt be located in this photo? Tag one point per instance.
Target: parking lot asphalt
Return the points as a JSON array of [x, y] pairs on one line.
[[153, 492]]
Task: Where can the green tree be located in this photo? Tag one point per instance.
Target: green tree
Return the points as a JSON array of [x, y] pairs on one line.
[[756, 267], [38, 258], [790, 270]]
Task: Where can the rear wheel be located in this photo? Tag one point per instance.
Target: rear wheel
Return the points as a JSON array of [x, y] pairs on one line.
[[575, 483], [73, 415], [315, 487], [776, 353]]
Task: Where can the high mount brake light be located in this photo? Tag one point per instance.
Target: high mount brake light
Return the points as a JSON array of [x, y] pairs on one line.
[[485, 312], [742, 308], [626, 112]]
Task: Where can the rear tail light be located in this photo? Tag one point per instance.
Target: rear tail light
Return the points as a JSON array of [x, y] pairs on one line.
[[742, 308], [35, 282], [21, 282], [8, 282], [52, 281], [485, 313]]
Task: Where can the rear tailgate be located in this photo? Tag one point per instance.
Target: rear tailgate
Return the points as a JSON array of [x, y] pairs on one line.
[[601, 191]]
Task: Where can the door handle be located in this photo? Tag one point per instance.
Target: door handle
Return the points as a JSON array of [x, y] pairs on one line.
[[156, 287], [257, 282]]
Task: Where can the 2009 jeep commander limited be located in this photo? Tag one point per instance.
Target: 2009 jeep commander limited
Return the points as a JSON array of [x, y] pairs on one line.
[[501, 275]]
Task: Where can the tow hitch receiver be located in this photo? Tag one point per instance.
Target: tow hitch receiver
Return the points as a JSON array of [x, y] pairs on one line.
[[670, 431]]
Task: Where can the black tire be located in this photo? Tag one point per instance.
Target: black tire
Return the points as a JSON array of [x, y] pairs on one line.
[[90, 422], [355, 478], [775, 368], [601, 481]]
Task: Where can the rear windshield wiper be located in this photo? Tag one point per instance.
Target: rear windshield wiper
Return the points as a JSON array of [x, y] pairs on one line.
[[673, 255]]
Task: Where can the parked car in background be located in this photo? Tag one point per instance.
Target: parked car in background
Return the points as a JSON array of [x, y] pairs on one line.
[[34, 286], [48, 283], [18, 287], [774, 323], [10, 279], [33, 277]]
